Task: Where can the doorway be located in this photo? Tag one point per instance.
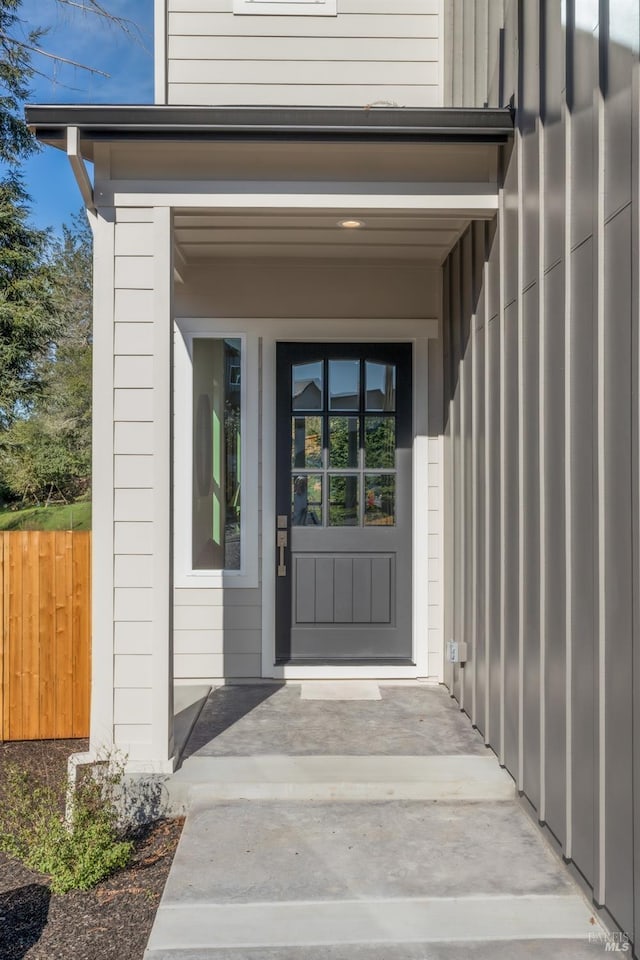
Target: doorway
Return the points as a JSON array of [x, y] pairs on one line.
[[343, 537]]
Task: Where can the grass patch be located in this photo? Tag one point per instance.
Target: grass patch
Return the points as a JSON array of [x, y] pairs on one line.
[[65, 516]]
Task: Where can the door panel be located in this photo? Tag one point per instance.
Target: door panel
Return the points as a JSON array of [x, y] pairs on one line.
[[344, 495]]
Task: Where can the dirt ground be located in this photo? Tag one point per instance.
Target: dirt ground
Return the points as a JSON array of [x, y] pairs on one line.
[[111, 921]]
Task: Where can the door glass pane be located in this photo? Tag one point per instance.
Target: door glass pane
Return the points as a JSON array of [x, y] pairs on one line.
[[306, 442], [306, 501], [380, 386], [307, 386], [380, 500], [343, 501], [344, 384], [380, 442], [344, 445]]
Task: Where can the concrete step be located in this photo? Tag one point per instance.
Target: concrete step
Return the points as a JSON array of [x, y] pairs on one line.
[[341, 778], [312, 925], [398, 880], [540, 949]]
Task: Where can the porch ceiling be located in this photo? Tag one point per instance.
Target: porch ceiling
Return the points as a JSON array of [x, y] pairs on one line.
[[205, 235]]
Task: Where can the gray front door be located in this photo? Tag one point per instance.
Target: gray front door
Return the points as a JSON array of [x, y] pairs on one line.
[[344, 479]]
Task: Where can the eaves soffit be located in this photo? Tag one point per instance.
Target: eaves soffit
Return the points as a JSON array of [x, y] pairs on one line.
[[316, 127]]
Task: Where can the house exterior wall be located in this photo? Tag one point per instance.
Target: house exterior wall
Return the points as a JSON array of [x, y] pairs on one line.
[[473, 80], [542, 435], [370, 51]]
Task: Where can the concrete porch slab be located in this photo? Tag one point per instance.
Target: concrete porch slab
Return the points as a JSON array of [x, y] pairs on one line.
[[340, 690], [264, 719]]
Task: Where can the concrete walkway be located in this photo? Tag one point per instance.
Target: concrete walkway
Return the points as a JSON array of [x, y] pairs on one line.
[[321, 826]]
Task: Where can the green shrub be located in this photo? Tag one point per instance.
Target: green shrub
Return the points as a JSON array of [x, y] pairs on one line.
[[75, 855]]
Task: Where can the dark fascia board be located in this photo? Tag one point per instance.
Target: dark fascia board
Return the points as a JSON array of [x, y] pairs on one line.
[[157, 122]]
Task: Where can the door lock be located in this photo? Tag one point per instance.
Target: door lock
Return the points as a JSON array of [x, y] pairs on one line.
[[282, 538]]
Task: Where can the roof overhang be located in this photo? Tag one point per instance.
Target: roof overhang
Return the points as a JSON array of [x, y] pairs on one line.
[[415, 177], [156, 122]]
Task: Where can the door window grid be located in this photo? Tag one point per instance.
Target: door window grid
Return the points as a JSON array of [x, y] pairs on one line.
[[338, 435]]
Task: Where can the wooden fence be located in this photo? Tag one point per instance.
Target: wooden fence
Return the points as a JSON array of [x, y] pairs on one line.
[[45, 653]]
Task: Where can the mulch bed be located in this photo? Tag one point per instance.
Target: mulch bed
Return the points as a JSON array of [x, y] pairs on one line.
[[111, 921]]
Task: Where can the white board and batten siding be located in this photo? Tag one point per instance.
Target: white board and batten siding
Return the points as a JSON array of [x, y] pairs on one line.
[[371, 51]]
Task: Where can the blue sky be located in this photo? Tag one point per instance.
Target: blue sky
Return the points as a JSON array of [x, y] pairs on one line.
[[92, 41]]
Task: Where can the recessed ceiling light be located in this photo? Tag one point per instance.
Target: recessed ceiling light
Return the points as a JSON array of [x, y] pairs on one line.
[[351, 224]]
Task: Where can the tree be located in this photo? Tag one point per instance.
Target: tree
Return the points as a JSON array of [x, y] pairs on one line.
[[47, 455], [45, 293], [16, 71], [67, 373], [28, 318], [24, 54]]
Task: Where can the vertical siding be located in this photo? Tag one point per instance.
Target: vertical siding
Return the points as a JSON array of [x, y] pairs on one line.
[[457, 463], [373, 50], [479, 488], [553, 553], [448, 502], [562, 360], [466, 424], [510, 483], [553, 399], [529, 306], [493, 676], [474, 79]]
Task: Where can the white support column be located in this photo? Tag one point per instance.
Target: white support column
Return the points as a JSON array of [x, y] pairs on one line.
[[102, 684], [162, 670]]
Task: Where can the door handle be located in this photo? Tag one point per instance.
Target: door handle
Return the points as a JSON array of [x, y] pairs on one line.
[[281, 543]]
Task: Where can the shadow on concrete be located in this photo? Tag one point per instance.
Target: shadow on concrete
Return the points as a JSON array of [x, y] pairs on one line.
[[225, 707]]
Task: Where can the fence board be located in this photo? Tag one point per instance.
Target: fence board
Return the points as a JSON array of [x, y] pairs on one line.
[[64, 629], [47, 633], [14, 599], [4, 627], [30, 649], [81, 674], [45, 652]]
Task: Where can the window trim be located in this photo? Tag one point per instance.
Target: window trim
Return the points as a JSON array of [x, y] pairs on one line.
[[185, 332], [286, 8]]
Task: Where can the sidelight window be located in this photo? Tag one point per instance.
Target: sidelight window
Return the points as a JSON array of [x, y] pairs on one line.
[[217, 453]]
